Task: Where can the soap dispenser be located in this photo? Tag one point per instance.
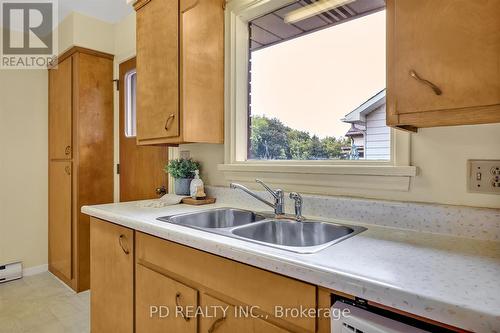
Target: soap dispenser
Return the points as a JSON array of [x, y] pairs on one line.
[[196, 188]]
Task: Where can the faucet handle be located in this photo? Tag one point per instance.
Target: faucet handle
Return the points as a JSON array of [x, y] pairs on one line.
[[298, 205], [276, 193]]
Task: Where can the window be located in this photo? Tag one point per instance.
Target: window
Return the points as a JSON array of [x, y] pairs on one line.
[[316, 82], [130, 104], [330, 137]]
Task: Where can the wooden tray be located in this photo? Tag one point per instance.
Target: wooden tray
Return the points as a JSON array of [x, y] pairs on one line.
[[195, 202]]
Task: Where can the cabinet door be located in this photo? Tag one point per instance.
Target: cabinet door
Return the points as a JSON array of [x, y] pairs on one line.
[[60, 110], [220, 317], [60, 222], [163, 304], [202, 50], [454, 44], [157, 71], [111, 277]]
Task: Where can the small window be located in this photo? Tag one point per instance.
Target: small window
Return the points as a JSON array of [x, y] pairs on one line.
[[317, 76], [130, 104]]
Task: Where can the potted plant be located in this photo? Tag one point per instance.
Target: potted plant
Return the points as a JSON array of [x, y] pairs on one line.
[[183, 171]]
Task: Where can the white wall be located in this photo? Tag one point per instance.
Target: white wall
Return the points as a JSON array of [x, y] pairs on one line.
[[378, 142], [23, 166], [24, 145], [440, 153]]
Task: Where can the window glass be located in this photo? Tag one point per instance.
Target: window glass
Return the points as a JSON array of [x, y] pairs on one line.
[[317, 77], [130, 104]]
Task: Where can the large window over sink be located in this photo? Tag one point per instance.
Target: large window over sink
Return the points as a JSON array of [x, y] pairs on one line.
[[316, 82]]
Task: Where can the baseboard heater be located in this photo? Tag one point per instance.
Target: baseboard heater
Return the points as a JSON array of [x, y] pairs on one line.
[[11, 272]]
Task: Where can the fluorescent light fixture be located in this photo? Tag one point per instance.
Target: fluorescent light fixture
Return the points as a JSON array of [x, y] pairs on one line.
[[314, 9]]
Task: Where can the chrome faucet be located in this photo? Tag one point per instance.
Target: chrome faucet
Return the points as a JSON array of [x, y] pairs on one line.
[[298, 206], [278, 194]]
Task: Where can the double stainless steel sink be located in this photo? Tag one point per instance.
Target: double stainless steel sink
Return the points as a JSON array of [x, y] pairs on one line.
[[303, 237]]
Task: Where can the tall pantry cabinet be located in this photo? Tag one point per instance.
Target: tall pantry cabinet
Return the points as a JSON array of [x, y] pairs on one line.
[[80, 157]]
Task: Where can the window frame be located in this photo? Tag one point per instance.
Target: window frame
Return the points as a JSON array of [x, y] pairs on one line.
[[236, 165], [129, 96]]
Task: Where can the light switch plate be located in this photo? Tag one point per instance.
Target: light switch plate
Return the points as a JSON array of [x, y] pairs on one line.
[[484, 176]]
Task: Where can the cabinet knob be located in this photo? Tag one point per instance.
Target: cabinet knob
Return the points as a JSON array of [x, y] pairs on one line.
[[120, 240], [215, 325], [161, 191], [67, 150], [171, 117], [177, 303], [428, 83], [68, 170]]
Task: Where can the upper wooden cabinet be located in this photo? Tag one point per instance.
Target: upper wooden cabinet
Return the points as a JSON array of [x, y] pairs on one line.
[[443, 62], [60, 110], [180, 71]]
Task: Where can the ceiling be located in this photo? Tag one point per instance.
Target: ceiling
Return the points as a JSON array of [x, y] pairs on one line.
[[111, 11], [271, 28]]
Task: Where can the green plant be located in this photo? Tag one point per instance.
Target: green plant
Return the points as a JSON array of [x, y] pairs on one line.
[[182, 168]]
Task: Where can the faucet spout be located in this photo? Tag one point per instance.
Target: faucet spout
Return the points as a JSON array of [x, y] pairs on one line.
[[249, 192], [279, 201]]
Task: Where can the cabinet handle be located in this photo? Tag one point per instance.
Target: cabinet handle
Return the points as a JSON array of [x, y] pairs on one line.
[[434, 88], [172, 116], [215, 325], [177, 303], [68, 170], [120, 240], [67, 151]]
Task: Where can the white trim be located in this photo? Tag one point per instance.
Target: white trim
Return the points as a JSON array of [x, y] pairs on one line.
[[35, 270], [353, 170], [374, 175]]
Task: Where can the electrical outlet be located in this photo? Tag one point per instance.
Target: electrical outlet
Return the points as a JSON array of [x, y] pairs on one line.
[[484, 176], [185, 154]]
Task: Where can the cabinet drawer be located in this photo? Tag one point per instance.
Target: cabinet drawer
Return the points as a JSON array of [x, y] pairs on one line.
[[242, 283]]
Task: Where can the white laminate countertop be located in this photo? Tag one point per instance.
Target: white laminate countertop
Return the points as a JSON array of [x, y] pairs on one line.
[[448, 279]]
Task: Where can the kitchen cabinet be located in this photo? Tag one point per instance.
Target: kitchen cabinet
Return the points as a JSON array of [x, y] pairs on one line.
[[112, 283], [155, 289], [60, 105], [224, 318], [443, 63], [182, 289], [180, 71], [60, 237], [81, 166]]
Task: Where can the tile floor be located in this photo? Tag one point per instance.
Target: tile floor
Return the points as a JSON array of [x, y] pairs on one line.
[[42, 304]]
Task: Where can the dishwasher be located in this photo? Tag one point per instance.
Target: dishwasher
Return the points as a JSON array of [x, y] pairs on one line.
[[360, 317]]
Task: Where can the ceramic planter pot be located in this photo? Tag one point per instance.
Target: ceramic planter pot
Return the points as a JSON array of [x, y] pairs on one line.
[[182, 186]]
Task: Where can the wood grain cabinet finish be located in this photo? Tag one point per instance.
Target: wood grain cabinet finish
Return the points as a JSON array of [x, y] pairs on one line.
[[232, 282], [180, 71], [60, 110], [81, 135], [60, 221], [451, 44], [161, 292], [112, 282], [224, 318]]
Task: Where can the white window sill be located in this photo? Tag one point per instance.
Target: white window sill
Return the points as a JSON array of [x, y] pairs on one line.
[[326, 179]]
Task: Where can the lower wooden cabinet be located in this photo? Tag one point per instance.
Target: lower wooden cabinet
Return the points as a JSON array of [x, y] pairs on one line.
[[163, 304], [60, 220], [221, 317], [144, 284], [112, 278]]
